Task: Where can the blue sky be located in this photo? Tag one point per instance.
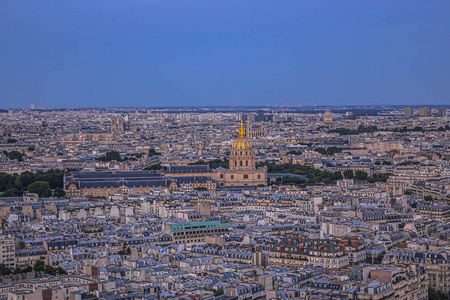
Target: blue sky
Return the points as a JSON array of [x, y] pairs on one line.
[[170, 53]]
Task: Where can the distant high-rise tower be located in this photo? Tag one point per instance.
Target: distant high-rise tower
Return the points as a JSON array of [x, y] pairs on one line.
[[126, 122], [408, 111], [32, 106], [117, 125], [260, 116], [442, 111], [425, 112]]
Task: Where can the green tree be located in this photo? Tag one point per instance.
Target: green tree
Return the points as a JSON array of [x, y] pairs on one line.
[[361, 175], [28, 269], [200, 188], [109, 156], [152, 152], [348, 174], [294, 152], [428, 198], [380, 177], [59, 192], [15, 155], [25, 179], [213, 164], [39, 187], [337, 176], [3, 269], [153, 167], [47, 193], [436, 295], [39, 266], [31, 148], [6, 181], [49, 270], [11, 193]]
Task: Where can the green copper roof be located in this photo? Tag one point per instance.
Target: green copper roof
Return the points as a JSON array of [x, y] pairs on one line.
[[199, 225]]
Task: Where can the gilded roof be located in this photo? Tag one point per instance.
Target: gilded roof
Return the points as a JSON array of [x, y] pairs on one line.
[[242, 143]]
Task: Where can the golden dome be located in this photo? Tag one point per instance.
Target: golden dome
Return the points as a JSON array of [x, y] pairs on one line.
[[242, 142]]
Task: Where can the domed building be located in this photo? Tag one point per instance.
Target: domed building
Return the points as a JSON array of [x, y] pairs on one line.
[[242, 169]]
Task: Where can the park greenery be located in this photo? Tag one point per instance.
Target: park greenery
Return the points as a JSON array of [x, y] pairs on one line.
[[437, 295], [347, 131], [329, 150], [152, 152], [363, 176], [200, 188], [294, 152], [213, 164], [115, 156], [14, 155], [123, 252], [314, 176], [46, 184], [428, 198], [154, 167], [371, 129], [39, 266], [378, 177], [110, 156]]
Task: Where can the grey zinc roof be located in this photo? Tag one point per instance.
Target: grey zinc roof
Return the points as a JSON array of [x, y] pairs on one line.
[[117, 179], [188, 169]]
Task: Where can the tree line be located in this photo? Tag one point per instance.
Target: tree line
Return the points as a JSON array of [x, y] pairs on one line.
[[314, 176], [46, 184], [39, 266], [371, 129]]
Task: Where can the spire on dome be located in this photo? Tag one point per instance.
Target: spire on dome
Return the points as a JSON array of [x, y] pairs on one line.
[[242, 129]]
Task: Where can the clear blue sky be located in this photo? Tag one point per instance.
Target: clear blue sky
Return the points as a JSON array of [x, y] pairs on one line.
[[234, 52]]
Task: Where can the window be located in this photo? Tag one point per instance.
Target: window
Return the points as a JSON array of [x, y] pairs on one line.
[[232, 176], [240, 163], [259, 176], [246, 163], [221, 175], [235, 163], [245, 176]]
